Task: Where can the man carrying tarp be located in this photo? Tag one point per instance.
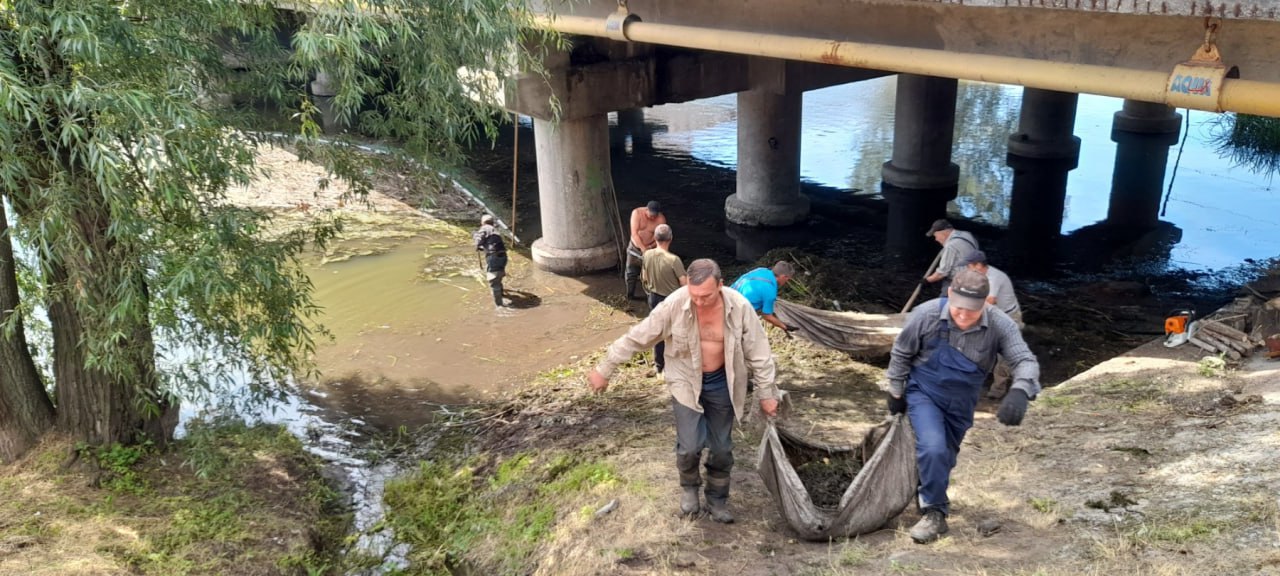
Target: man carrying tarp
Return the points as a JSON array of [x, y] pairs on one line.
[[937, 367], [957, 245], [1001, 297], [713, 345], [760, 287]]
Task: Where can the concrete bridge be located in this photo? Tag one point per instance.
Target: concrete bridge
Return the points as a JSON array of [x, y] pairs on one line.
[[628, 55]]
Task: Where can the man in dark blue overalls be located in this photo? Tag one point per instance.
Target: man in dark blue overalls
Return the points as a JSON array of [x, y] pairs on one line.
[[936, 371]]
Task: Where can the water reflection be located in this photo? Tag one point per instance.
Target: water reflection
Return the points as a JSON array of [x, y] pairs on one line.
[[1222, 211]]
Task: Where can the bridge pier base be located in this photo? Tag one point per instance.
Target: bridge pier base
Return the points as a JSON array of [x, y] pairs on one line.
[[1143, 132], [573, 181], [768, 192], [323, 88], [920, 178], [1041, 154]]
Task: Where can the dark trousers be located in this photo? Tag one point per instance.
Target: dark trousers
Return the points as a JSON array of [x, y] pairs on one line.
[[659, 358], [711, 429], [634, 264], [496, 269]]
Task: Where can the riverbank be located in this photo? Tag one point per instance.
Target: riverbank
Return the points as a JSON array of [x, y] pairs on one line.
[[1154, 462], [225, 499]]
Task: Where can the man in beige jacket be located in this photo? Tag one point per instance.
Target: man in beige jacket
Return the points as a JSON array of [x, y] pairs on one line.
[[714, 344]]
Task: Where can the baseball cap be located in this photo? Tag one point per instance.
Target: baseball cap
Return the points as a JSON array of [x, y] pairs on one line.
[[977, 257], [969, 290], [938, 226], [654, 207]]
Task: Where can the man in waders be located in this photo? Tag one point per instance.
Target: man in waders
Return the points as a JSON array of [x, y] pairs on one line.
[[644, 220], [714, 345], [936, 370], [957, 245], [662, 274], [760, 287], [490, 242]]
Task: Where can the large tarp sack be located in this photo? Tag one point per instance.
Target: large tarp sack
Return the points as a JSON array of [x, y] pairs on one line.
[[882, 488], [853, 332]]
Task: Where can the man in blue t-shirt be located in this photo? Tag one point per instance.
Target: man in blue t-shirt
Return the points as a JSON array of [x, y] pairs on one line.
[[760, 286]]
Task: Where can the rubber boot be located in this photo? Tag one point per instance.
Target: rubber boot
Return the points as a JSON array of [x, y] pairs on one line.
[[719, 510], [929, 528], [497, 297], [717, 493], [689, 505]]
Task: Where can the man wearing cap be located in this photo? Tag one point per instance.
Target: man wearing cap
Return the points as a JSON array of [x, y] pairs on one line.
[[1001, 297], [490, 242], [936, 370], [662, 274], [644, 220], [761, 285], [956, 247]]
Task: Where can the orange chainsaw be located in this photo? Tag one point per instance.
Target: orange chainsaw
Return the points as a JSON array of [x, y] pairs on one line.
[[1179, 327]]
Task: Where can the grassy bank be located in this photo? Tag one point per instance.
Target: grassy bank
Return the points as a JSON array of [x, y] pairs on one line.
[[226, 499]]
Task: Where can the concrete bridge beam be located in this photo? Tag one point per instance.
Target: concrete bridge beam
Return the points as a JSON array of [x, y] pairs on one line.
[[920, 178], [768, 192], [1143, 133], [573, 181]]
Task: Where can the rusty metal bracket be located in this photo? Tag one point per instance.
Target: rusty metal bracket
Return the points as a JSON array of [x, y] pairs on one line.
[[1197, 83], [615, 25]]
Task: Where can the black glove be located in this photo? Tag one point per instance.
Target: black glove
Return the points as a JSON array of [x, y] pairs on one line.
[[896, 405], [1013, 408], [791, 328]]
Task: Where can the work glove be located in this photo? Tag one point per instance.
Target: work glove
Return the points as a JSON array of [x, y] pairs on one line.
[[1013, 408], [896, 405]]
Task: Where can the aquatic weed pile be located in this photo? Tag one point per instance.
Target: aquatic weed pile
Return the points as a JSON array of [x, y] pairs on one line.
[[828, 477]]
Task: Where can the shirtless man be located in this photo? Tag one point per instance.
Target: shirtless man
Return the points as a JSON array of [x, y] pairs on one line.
[[644, 220], [714, 344]]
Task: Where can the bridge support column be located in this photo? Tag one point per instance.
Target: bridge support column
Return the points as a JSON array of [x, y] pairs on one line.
[[631, 123], [1041, 154], [324, 88], [573, 181], [768, 191], [920, 179], [1143, 132]]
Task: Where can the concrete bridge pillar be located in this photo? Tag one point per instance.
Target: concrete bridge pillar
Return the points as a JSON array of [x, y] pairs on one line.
[[631, 124], [573, 181], [1143, 132], [920, 178], [324, 88], [768, 191], [1041, 153]]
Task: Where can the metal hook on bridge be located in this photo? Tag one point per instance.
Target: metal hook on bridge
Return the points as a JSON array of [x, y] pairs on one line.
[[1197, 83], [615, 25]]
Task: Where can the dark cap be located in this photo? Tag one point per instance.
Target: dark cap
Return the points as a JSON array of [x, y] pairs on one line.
[[977, 257], [969, 290], [938, 226], [654, 207]]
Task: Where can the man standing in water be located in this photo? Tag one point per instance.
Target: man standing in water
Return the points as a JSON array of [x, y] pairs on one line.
[[662, 274], [714, 345], [490, 242], [644, 220], [957, 245], [936, 370]]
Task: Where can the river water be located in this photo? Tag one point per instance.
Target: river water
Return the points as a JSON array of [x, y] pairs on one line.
[[1224, 212]]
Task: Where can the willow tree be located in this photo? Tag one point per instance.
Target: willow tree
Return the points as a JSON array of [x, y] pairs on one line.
[[120, 133]]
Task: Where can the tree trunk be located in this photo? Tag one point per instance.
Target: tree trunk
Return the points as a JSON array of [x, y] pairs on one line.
[[25, 409], [123, 404]]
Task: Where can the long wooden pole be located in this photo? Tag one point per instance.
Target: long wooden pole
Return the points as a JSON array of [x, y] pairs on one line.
[[920, 286]]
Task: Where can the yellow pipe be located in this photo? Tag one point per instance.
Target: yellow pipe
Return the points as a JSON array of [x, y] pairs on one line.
[[1251, 97]]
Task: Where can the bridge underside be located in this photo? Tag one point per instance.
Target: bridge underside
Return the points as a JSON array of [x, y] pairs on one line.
[[1133, 34]]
